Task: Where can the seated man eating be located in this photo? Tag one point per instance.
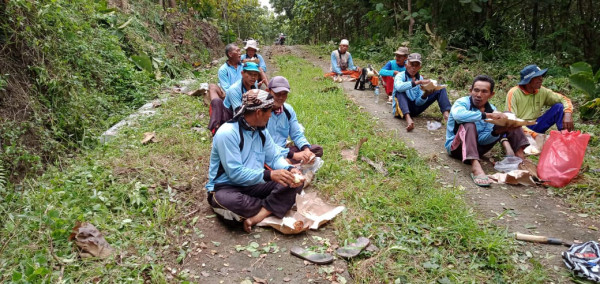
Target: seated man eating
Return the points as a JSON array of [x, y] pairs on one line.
[[239, 187], [284, 123], [409, 99], [469, 136], [528, 98]]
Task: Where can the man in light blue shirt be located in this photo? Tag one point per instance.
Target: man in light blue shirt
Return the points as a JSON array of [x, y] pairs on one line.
[[342, 64], [229, 73], [469, 136], [392, 68], [233, 97], [409, 99], [239, 187], [284, 123], [252, 55]]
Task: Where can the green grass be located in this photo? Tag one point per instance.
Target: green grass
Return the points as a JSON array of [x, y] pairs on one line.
[[425, 232], [135, 194]]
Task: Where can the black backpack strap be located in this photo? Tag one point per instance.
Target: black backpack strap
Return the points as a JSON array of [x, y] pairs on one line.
[[287, 114]]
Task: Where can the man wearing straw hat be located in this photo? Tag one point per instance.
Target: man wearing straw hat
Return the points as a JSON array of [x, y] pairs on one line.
[[393, 67]]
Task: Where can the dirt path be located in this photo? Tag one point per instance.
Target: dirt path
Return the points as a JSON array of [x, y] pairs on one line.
[[531, 210], [223, 252]]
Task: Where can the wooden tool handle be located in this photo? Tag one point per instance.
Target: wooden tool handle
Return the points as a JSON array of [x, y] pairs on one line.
[[531, 238]]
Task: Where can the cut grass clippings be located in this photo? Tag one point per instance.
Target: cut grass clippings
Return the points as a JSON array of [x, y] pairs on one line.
[[424, 232]]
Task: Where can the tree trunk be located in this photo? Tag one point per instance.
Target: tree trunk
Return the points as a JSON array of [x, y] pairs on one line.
[[411, 22], [534, 26], [162, 4], [172, 4]]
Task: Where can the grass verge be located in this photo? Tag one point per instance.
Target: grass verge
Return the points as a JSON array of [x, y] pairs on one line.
[[137, 195], [425, 232]]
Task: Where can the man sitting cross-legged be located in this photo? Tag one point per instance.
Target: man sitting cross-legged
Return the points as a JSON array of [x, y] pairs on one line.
[[239, 187], [409, 99], [284, 123], [468, 136]]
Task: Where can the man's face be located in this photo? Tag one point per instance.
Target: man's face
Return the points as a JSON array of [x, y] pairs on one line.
[[400, 59], [250, 52], [279, 98], [481, 93], [343, 48], [235, 54], [413, 67], [536, 82], [263, 116], [249, 77]]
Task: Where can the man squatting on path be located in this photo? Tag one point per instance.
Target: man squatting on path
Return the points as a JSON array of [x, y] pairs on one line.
[[409, 99], [468, 136], [239, 187]]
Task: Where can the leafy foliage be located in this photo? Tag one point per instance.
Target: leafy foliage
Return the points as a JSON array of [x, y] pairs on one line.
[[583, 78]]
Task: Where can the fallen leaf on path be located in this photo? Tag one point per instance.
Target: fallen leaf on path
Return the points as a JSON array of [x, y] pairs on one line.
[[259, 280], [156, 104], [287, 279], [149, 137], [90, 241], [592, 227]]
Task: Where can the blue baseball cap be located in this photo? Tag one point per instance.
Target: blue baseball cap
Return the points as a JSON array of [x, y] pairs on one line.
[[530, 72], [250, 66]]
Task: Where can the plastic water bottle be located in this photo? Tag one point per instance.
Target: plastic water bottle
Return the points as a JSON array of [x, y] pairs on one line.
[[377, 94]]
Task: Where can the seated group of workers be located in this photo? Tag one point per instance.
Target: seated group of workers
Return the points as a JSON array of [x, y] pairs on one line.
[[252, 172], [468, 135]]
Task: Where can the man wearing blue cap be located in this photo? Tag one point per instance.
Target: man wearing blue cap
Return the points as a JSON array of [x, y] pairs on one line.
[[233, 97], [239, 187], [284, 123], [528, 98]]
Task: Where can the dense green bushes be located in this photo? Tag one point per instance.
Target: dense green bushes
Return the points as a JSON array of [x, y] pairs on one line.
[[68, 72]]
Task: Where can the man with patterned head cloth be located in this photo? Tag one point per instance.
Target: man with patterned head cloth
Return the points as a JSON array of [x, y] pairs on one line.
[[239, 187], [527, 100]]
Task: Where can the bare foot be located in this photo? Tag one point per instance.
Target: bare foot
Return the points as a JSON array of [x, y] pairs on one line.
[[446, 115], [248, 225], [262, 214], [410, 125]]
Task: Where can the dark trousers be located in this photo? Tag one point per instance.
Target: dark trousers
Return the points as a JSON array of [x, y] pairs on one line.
[[219, 114], [551, 117], [247, 201], [314, 148], [410, 107], [466, 148]]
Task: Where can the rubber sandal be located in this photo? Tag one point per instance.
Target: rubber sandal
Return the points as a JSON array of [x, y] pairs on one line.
[[314, 257], [353, 249], [484, 177]]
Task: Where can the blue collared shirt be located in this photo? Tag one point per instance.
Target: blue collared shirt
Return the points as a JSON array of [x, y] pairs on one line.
[[280, 128], [464, 111], [229, 75], [246, 167]]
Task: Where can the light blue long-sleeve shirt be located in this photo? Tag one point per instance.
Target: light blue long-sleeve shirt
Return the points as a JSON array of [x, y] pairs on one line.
[[280, 128], [464, 111], [246, 167], [233, 95], [403, 83], [261, 61], [335, 67], [229, 75], [390, 67]]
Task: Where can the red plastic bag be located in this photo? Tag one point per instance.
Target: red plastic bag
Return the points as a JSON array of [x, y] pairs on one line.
[[562, 157]]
